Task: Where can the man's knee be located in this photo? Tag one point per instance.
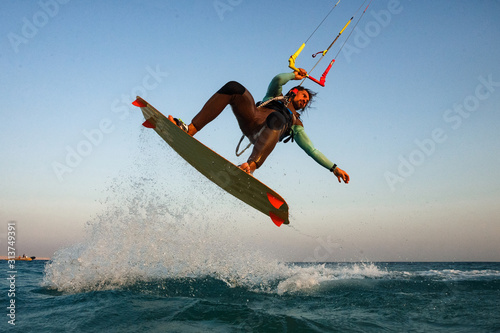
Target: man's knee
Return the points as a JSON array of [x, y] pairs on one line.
[[232, 88]]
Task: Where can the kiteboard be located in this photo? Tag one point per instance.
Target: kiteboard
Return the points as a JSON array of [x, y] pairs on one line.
[[215, 167]]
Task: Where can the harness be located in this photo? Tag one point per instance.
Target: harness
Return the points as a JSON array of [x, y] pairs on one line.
[[278, 104]]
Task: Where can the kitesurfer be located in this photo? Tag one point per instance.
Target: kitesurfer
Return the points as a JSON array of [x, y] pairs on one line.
[[274, 119]]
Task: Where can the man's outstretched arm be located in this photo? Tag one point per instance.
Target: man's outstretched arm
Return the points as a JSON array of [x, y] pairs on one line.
[[306, 144]]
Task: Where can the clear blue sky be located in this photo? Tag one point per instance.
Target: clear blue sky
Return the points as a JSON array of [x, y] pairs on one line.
[[410, 110]]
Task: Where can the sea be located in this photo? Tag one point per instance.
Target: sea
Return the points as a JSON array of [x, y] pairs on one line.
[[67, 295]]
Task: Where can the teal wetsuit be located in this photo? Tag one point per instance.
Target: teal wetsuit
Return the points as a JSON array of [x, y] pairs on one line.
[[299, 135]]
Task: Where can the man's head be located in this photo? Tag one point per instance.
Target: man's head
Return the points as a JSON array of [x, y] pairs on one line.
[[302, 97]]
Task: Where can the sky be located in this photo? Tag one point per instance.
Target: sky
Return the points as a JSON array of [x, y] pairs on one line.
[[410, 111]]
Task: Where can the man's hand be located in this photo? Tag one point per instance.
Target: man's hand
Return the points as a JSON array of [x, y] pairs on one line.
[[341, 175], [248, 167], [301, 74]]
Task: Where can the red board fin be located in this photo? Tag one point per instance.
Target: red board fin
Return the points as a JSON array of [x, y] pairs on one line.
[[276, 219], [139, 103], [277, 203], [149, 123]]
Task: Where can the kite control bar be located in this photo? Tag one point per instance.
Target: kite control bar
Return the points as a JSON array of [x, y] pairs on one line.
[[321, 81], [291, 64], [293, 57]]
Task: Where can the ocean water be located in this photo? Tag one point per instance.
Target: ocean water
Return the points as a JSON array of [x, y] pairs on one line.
[[66, 295]]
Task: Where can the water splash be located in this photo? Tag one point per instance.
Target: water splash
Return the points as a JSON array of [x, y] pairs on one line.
[[143, 235], [315, 277], [153, 227], [156, 227]]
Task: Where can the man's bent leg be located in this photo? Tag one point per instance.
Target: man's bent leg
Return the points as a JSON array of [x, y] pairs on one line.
[[275, 126], [231, 93], [264, 145]]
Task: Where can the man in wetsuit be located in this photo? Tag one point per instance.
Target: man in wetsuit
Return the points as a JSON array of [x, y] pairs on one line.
[[265, 124]]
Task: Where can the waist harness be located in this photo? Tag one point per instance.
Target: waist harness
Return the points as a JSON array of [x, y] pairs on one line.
[[282, 119]]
